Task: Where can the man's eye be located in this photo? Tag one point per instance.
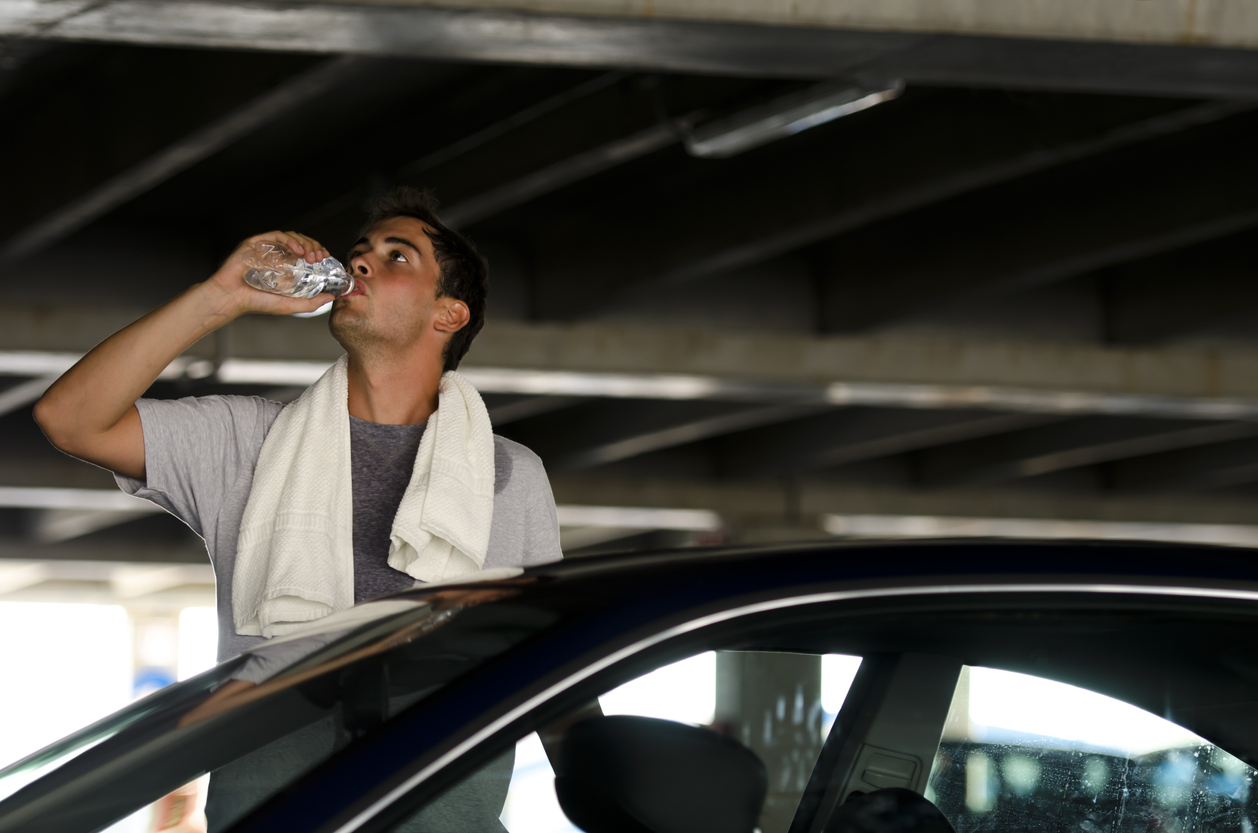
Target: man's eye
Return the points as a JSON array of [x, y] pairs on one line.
[[398, 256]]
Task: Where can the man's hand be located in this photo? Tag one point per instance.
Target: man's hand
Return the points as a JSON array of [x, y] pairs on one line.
[[236, 297]]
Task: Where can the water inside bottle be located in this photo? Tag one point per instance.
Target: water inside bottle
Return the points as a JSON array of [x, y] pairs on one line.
[[275, 269]]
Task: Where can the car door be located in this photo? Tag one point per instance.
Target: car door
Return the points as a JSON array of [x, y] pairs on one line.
[[905, 720]]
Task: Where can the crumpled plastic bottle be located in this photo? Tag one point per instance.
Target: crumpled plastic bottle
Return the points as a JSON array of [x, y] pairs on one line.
[[273, 268]]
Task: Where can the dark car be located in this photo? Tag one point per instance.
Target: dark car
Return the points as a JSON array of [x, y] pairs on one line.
[[1027, 687]]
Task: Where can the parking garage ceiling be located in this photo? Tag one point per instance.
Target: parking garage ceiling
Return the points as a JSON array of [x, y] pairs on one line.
[[1021, 289]]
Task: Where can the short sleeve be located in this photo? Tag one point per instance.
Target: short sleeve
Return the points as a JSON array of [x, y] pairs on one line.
[[196, 449], [541, 524]]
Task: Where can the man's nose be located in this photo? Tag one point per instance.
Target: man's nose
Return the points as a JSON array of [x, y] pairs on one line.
[[360, 266]]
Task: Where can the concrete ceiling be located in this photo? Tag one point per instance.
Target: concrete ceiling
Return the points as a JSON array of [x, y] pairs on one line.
[[1190, 47], [1022, 291]]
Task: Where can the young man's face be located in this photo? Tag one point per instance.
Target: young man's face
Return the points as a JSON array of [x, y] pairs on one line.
[[394, 298]]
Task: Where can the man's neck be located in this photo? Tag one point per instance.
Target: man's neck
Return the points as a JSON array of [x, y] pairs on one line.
[[392, 392]]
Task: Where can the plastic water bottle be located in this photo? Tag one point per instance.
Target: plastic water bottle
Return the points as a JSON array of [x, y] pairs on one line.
[[273, 268]]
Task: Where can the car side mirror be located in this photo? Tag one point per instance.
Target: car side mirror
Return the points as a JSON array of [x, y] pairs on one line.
[[626, 774]]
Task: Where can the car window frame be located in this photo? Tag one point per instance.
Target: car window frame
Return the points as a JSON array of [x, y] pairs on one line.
[[516, 716]]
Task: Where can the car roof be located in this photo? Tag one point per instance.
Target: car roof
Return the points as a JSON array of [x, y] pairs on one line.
[[935, 560]]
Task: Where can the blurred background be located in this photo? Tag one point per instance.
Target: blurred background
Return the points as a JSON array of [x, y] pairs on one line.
[[762, 271]]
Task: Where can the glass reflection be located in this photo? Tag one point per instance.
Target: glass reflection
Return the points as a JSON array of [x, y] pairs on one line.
[[1023, 753]]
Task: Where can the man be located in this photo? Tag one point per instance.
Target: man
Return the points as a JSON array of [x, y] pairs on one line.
[[419, 302]]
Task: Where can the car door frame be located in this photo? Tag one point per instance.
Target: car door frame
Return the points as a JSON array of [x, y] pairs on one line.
[[558, 681]]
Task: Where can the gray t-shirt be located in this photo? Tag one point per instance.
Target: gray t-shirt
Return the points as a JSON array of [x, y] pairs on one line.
[[199, 457], [381, 460]]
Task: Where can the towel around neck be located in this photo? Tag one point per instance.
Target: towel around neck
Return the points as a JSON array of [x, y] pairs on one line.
[[294, 561]]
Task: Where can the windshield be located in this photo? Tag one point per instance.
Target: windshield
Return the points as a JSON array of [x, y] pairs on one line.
[[267, 716]]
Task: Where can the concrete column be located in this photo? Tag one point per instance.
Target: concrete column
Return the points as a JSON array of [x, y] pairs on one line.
[[771, 702]]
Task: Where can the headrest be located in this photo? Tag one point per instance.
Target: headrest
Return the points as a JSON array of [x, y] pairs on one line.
[[627, 774]]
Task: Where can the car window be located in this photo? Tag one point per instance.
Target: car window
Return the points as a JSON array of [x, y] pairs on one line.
[[779, 705], [1024, 753]]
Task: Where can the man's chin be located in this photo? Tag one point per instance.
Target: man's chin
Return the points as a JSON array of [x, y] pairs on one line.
[[348, 329], [339, 322]]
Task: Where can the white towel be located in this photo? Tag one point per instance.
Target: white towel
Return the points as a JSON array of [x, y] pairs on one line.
[[295, 554]]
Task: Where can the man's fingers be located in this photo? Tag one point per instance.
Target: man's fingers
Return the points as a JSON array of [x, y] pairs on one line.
[[296, 242], [300, 244], [310, 247]]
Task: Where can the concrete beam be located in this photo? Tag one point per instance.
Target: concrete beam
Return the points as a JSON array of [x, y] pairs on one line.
[[719, 364], [1180, 47], [21, 575], [926, 526], [636, 517], [1215, 23], [104, 581], [640, 362], [502, 34], [132, 581]]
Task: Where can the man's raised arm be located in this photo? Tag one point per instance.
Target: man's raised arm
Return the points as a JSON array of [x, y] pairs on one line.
[[90, 411]]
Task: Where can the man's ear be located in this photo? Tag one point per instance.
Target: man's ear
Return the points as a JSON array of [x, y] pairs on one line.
[[452, 315]]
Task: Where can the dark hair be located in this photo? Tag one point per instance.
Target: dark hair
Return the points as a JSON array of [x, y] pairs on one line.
[[463, 273]]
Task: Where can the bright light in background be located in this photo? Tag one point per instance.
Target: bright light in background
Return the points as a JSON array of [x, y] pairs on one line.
[[198, 640], [1003, 702], [531, 803], [684, 691], [65, 666], [837, 673]]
